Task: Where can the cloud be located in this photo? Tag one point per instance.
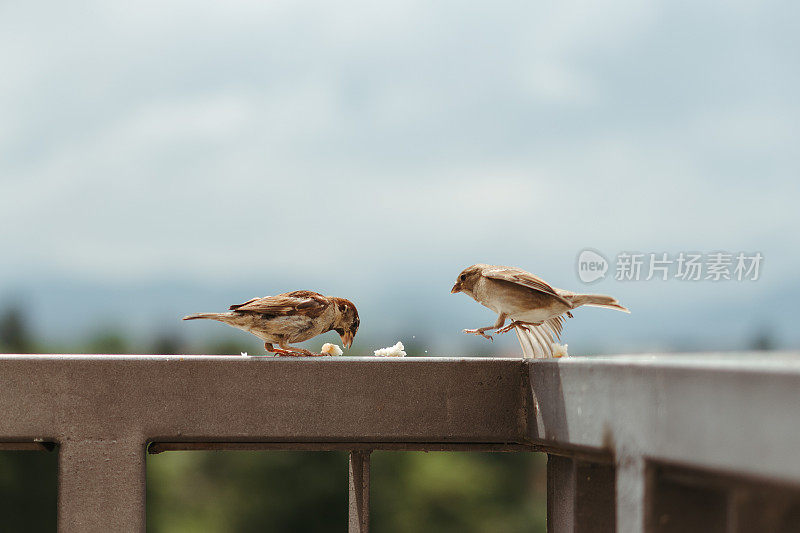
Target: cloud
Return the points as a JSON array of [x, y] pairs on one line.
[[389, 141]]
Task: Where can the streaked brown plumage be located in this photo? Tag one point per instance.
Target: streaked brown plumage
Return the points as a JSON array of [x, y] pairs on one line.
[[535, 308], [291, 317]]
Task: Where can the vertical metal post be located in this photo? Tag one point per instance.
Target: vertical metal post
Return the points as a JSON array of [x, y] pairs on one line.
[[594, 498], [359, 492], [632, 494], [101, 486], [580, 496], [560, 494]]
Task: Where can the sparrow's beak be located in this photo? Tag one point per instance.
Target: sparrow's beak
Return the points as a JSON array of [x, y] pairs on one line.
[[456, 288], [347, 339]]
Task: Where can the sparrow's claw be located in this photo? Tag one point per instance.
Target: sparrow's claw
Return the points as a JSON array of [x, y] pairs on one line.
[[516, 324], [312, 354], [285, 353], [507, 328], [479, 332], [296, 352]]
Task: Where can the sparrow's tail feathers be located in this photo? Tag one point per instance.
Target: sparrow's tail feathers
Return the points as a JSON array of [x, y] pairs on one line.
[[598, 300], [210, 316]]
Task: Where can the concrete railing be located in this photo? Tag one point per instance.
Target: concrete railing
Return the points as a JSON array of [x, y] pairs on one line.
[[693, 442]]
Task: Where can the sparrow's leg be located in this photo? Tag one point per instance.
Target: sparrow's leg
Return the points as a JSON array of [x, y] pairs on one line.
[[290, 351], [527, 325], [284, 351], [514, 324], [277, 351], [501, 319], [506, 328], [306, 353]]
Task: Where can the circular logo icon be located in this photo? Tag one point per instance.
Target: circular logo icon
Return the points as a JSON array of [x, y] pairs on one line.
[[592, 266]]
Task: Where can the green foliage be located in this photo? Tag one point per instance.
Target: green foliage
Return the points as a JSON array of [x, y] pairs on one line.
[[108, 341], [457, 492], [14, 334], [28, 491], [246, 491], [167, 344], [307, 491], [227, 348]]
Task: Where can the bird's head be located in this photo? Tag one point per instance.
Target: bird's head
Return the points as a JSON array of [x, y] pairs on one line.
[[346, 322], [465, 282]]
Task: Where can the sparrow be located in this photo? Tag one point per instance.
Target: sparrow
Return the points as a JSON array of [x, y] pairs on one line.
[[535, 308], [291, 317]]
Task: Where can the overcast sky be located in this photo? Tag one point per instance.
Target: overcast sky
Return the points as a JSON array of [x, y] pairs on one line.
[[373, 149]]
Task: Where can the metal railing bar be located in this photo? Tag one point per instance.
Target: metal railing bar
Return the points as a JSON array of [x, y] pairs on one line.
[[358, 510], [586, 454], [160, 447]]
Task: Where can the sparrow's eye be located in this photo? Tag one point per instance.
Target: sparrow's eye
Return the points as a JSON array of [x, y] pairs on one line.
[[463, 277]]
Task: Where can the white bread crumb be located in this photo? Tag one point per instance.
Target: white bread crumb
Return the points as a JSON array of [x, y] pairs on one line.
[[559, 350], [331, 349], [392, 351]]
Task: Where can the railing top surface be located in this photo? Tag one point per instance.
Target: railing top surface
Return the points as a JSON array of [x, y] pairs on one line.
[[771, 363], [228, 358], [261, 399], [781, 362], [744, 359]]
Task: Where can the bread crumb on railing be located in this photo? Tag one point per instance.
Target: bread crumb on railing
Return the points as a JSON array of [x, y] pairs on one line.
[[559, 350], [331, 349], [398, 350]]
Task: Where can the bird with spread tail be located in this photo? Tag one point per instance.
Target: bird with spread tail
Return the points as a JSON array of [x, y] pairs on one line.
[[291, 317], [535, 308]]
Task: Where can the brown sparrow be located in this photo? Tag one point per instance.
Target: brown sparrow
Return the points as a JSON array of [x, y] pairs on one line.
[[291, 317], [535, 308]]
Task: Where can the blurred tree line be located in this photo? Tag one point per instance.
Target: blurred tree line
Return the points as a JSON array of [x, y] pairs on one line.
[[281, 491]]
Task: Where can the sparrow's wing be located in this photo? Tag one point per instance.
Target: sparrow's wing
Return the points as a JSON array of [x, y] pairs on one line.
[[307, 303], [537, 341], [525, 342], [554, 326], [526, 279], [234, 307], [534, 342]]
